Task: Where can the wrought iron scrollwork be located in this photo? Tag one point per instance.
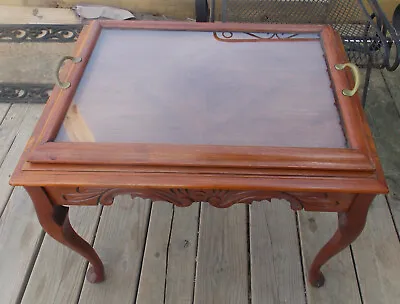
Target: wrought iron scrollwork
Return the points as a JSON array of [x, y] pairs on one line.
[[40, 33], [247, 36]]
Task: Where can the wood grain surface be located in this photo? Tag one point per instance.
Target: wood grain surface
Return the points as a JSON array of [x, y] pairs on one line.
[[182, 255], [10, 160], [376, 256], [315, 229], [276, 274], [9, 127], [222, 261], [153, 275], [59, 272], [120, 244], [4, 107], [20, 238]]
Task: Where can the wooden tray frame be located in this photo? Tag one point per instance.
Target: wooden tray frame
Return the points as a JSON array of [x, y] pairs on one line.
[[355, 169]]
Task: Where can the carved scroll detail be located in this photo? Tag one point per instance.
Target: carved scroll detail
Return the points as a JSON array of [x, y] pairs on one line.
[[181, 197]]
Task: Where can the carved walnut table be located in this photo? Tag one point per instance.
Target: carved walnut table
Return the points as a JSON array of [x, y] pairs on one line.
[[220, 113]]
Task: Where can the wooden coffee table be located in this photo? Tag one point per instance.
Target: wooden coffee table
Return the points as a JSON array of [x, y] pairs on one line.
[[217, 113]]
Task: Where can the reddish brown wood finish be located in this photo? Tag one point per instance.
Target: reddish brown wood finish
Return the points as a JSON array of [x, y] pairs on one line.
[[350, 225], [335, 53], [185, 197], [202, 156], [316, 179], [54, 220], [150, 153], [217, 26], [73, 73], [315, 162]]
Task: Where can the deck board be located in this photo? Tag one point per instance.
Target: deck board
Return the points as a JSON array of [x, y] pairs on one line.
[[341, 282], [20, 237], [3, 110], [377, 256], [10, 126], [222, 260], [276, 274], [20, 231], [392, 79], [21, 135], [182, 255], [58, 273], [120, 245], [152, 279], [384, 119]]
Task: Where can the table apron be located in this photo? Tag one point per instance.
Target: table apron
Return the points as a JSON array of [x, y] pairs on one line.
[[310, 201]]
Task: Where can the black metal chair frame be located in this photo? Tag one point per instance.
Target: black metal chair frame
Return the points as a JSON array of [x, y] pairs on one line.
[[368, 43]]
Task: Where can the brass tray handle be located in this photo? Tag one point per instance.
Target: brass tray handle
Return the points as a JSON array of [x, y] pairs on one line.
[[67, 84], [356, 75]]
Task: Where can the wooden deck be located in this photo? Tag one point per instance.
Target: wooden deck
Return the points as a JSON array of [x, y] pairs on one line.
[[156, 253]]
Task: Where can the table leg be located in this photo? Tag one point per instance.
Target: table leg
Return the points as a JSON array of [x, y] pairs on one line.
[[350, 225], [55, 221]]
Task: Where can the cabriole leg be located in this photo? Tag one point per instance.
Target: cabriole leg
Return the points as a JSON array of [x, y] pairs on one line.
[[55, 221], [350, 225]]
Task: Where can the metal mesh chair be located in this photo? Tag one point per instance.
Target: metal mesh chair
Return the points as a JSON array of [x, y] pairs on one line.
[[367, 35]]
